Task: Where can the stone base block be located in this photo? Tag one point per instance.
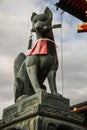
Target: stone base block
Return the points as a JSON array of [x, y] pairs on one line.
[[43, 123], [39, 98], [42, 111]]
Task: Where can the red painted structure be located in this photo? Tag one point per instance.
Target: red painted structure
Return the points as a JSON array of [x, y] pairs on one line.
[[80, 108], [76, 8], [82, 28]]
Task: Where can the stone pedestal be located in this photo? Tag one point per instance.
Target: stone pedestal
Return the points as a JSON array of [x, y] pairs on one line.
[[41, 111]]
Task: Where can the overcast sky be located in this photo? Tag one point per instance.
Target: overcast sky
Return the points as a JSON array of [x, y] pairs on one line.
[[15, 25]]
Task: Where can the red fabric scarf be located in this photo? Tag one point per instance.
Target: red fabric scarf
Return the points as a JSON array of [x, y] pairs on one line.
[[40, 47]]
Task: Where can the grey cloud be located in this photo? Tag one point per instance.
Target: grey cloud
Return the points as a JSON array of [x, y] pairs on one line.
[[74, 71]]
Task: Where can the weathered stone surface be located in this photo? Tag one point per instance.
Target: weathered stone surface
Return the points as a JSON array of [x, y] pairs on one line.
[[42, 111], [43, 123], [43, 98]]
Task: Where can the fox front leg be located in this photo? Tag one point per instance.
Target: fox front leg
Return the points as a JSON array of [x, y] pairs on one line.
[[52, 82], [31, 66]]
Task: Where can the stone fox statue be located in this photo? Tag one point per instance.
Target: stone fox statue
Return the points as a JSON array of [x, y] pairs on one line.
[[30, 71]]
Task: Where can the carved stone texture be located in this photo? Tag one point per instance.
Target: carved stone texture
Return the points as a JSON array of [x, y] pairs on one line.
[[53, 124], [43, 98], [43, 123], [38, 114]]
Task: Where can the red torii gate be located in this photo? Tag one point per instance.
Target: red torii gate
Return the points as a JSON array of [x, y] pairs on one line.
[[77, 8]]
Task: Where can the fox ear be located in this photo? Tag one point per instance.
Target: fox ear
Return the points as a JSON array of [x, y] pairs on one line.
[[33, 14], [48, 13]]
